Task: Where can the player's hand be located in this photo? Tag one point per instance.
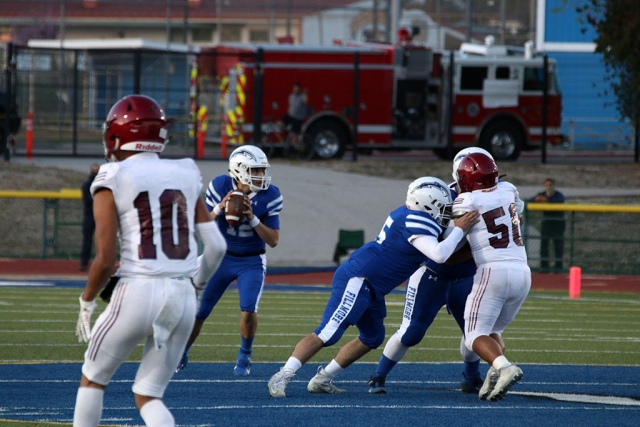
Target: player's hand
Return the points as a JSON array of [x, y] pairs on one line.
[[248, 210], [83, 327], [466, 221], [540, 198]]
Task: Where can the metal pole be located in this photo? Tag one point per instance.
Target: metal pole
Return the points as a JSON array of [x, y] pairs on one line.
[[503, 22], [452, 64], [545, 101], [137, 62], [387, 22], [8, 102], [257, 97], [62, 22], [636, 156], [356, 104], [185, 22], [375, 20], [469, 18], [168, 23], [74, 103], [288, 18]]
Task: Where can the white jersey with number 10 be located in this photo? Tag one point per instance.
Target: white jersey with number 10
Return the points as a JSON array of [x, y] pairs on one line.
[[156, 200]]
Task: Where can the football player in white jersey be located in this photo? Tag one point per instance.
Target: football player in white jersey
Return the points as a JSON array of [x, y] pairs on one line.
[[153, 208], [503, 278]]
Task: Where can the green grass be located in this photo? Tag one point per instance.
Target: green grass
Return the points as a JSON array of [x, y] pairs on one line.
[[37, 326]]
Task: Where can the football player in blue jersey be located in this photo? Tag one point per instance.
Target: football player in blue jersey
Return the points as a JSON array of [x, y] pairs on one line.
[[245, 260], [409, 235], [431, 287]]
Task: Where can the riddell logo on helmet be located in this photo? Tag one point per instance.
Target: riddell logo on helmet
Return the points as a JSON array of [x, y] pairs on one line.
[[148, 147]]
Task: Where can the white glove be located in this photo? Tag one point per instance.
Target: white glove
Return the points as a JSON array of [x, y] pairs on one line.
[[83, 327]]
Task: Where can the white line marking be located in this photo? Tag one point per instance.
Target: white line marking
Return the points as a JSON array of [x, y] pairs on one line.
[[582, 398], [27, 284]]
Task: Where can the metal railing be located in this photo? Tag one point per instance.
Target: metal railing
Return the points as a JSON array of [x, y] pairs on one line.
[[598, 238], [602, 239]]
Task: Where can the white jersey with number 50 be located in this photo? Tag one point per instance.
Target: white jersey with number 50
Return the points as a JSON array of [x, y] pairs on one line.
[[497, 237], [156, 200]]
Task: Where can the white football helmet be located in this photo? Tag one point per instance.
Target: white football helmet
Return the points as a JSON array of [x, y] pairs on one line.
[[244, 164], [431, 195], [462, 154]]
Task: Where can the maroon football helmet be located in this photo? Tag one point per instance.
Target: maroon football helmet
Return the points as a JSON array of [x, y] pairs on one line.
[[135, 123], [477, 171]]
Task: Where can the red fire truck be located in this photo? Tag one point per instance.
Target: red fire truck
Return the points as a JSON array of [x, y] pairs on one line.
[[407, 96]]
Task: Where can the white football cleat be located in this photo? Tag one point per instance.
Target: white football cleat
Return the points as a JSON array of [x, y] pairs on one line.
[[321, 384], [489, 383], [509, 375], [278, 382]]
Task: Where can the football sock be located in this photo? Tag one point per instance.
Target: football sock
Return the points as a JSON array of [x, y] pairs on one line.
[[247, 344], [88, 409], [394, 349], [155, 414], [333, 369], [471, 369], [500, 362], [385, 365], [467, 355], [293, 364]]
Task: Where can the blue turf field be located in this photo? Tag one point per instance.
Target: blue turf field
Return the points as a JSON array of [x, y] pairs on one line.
[[208, 394]]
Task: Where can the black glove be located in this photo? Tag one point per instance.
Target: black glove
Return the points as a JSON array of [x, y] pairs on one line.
[[105, 295]]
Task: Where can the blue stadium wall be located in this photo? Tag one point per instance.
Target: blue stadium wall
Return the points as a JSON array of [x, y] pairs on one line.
[[587, 101]]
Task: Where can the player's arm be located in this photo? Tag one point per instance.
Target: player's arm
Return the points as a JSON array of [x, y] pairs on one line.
[[106, 218], [460, 255], [214, 244], [268, 234], [441, 251]]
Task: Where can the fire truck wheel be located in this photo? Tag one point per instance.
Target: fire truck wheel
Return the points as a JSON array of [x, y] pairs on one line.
[[325, 139], [503, 139]]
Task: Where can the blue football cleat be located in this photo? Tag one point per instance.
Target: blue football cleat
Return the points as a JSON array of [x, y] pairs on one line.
[[183, 362], [471, 385], [376, 385], [243, 364]]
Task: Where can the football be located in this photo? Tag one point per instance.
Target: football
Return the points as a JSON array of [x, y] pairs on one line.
[[235, 208]]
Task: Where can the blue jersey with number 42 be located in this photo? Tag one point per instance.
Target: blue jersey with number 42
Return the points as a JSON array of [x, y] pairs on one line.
[[265, 204], [390, 259]]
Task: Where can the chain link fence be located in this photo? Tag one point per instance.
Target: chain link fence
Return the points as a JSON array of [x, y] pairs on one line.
[[598, 238], [601, 239]]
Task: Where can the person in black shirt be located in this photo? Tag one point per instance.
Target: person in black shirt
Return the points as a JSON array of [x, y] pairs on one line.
[[552, 227], [88, 224]]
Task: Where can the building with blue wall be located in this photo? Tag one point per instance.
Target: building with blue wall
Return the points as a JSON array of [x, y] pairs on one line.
[[590, 117]]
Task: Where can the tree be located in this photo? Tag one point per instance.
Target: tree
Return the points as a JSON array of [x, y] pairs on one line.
[[617, 24]]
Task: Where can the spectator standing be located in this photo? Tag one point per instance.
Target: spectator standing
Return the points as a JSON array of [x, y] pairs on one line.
[[88, 223], [296, 114], [552, 227]]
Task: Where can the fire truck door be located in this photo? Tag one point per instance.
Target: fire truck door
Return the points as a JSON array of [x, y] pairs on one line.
[[410, 112]]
